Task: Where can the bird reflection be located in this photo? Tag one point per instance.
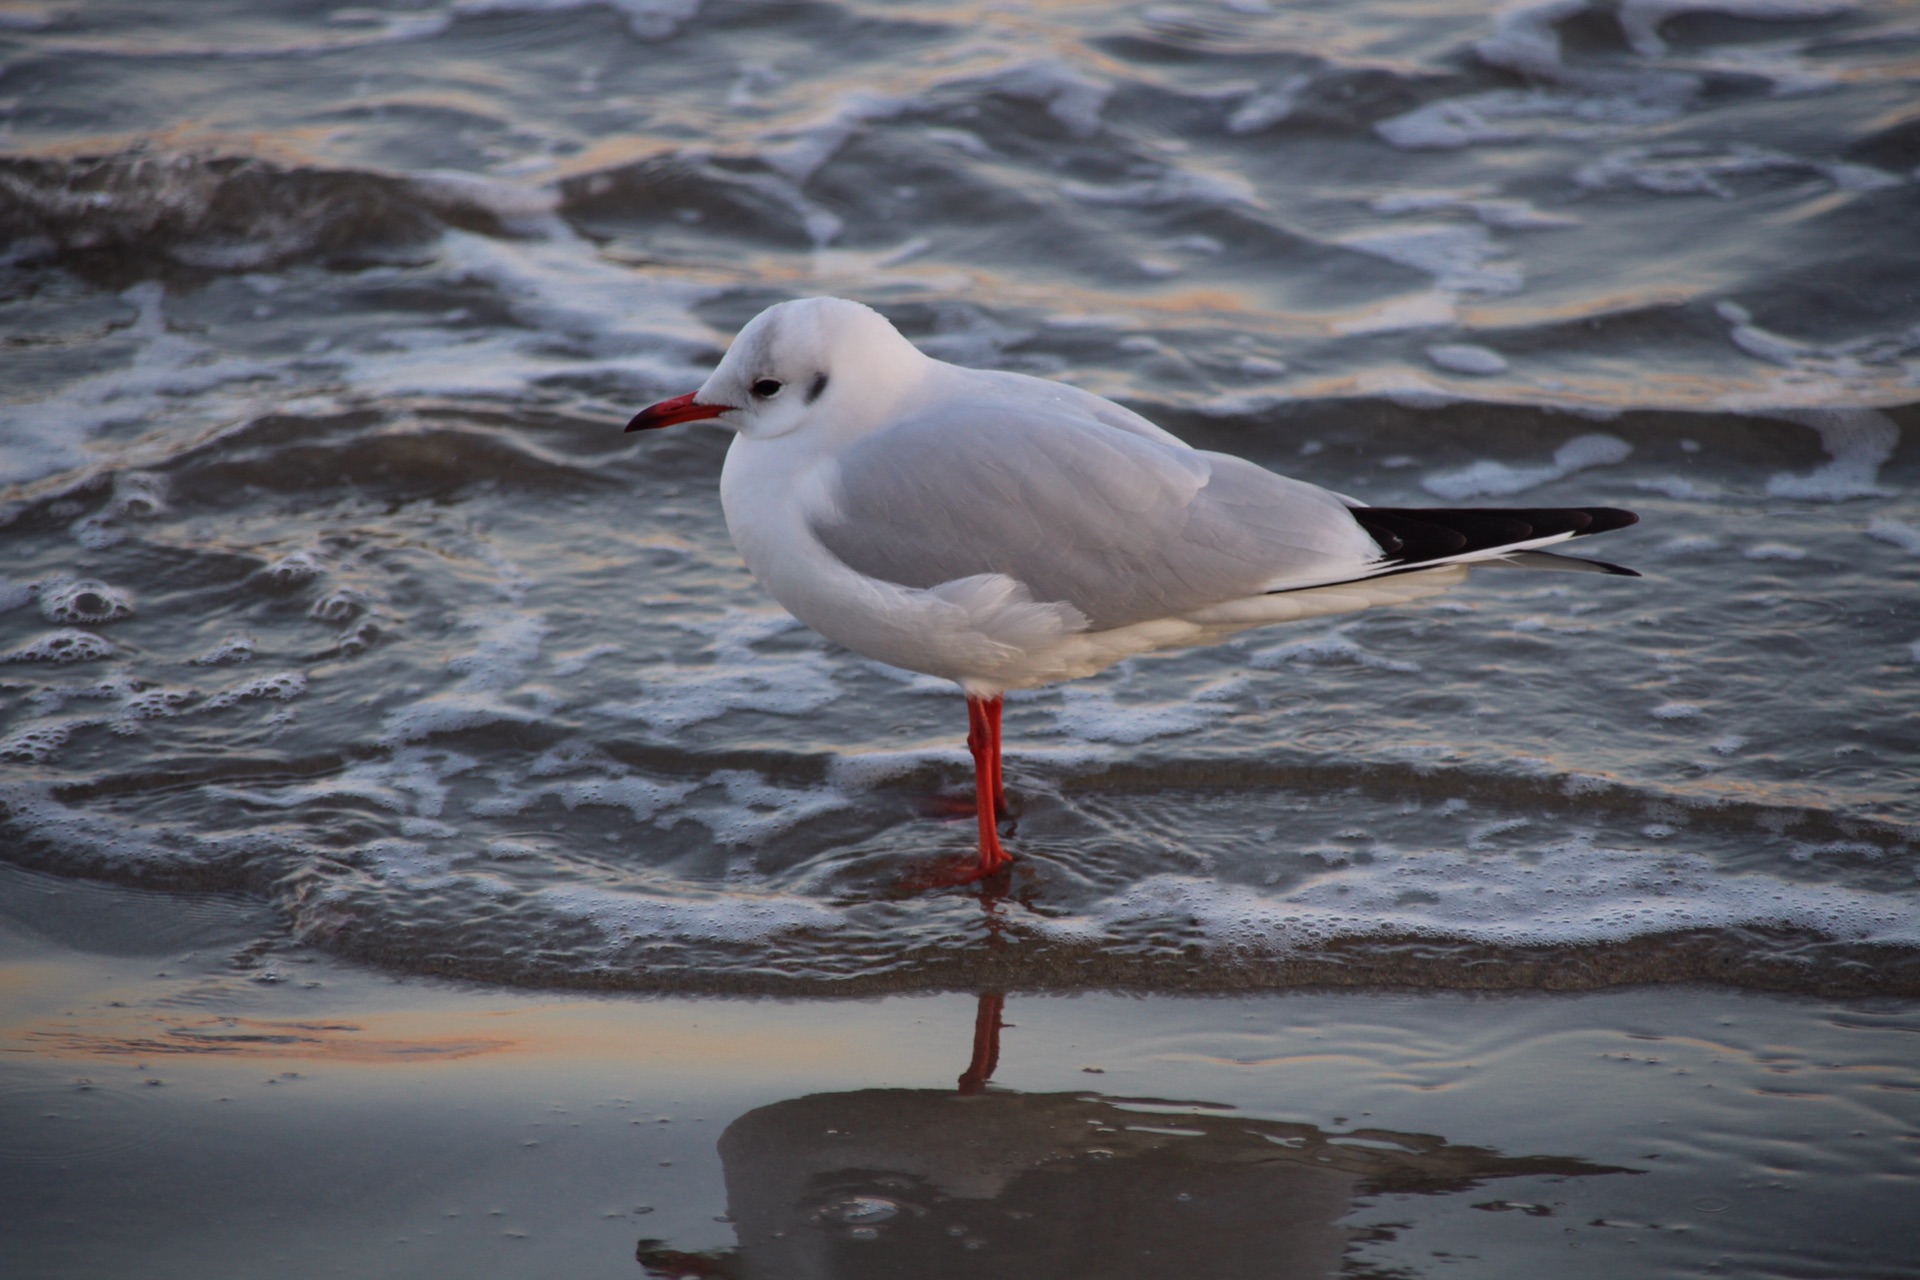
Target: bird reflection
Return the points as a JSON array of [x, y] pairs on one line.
[[951, 1185]]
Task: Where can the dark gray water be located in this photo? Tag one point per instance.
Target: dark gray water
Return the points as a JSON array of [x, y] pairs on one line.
[[328, 576]]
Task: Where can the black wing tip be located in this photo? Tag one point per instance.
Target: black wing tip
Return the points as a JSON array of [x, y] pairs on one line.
[[1606, 519], [1423, 535]]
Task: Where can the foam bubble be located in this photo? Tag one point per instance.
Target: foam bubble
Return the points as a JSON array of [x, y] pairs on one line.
[[1775, 551], [294, 568], [84, 600], [231, 650], [277, 686], [35, 744], [66, 645]]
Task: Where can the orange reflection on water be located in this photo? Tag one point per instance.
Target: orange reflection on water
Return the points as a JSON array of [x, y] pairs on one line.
[[230, 1037]]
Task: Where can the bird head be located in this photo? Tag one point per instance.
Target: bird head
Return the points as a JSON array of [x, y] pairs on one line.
[[797, 366]]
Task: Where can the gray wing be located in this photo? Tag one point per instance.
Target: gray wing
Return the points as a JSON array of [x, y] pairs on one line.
[[1123, 527]]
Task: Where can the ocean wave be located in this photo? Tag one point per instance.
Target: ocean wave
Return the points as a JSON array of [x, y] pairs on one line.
[[119, 216]]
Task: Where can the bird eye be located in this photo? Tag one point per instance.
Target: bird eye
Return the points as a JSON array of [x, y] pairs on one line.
[[767, 388]]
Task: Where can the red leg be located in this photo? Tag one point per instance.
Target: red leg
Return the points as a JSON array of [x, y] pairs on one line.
[[986, 1042], [993, 737], [983, 740]]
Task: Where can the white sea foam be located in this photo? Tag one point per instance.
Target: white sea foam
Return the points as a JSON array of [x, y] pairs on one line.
[[84, 600], [1264, 108], [1090, 712], [508, 642], [1573, 892], [69, 644], [1689, 169], [1074, 99], [1488, 479], [35, 744], [232, 649], [1568, 101], [644, 799], [166, 369], [1516, 115], [277, 686], [738, 918], [1459, 258], [1858, 440], [800, 152], [1462, 357], [757, 809], [577, 316], [1330, 648], [410, 781], [1676, 488], [740, 677], [1896, 533]]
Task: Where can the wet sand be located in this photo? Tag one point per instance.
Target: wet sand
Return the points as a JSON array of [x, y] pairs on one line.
[[183, 1094]]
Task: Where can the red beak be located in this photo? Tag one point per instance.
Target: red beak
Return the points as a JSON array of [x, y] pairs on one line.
[[672, 412]]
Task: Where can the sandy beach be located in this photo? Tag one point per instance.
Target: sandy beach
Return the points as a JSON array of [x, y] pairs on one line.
[[182, 1099]]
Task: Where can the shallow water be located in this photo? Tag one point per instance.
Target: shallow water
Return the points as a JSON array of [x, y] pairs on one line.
[[330, 1120], [330, 579]]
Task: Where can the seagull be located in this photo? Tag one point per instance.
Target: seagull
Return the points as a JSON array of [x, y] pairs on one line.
[[1005, 531]]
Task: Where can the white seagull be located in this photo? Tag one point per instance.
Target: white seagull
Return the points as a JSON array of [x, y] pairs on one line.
[[1004, 531]]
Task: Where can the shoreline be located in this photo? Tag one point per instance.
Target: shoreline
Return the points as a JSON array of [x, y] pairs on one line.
[[333, 1119]]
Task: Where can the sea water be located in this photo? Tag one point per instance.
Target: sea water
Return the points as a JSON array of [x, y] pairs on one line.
[[329, 577]]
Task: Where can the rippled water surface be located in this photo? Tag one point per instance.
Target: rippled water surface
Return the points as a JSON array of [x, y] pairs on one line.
[[329, 577]]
